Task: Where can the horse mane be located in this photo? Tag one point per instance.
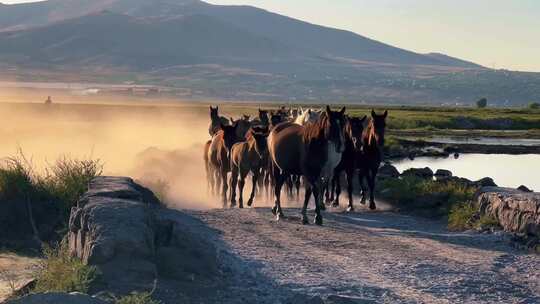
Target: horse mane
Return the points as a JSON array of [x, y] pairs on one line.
[[317, 129], [369, 133]]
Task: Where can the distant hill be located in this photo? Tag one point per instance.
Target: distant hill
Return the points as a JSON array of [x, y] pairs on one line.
[[124, 41], [255, 22], [235, 52]]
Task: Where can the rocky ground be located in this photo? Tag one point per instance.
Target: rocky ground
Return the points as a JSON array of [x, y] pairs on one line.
[[15, 271], [373, 257]]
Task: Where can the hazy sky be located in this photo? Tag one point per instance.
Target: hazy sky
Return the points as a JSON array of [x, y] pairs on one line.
[[494, 33]]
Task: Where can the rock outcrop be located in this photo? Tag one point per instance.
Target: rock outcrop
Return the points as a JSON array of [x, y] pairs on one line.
[[388, 171], [442, 174], [120, 227], [419, 172], [516, 211]]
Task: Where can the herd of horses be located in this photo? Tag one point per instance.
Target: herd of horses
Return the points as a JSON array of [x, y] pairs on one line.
[[294, 146]]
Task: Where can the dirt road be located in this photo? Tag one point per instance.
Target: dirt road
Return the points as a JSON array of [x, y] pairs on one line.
[[380, 256]]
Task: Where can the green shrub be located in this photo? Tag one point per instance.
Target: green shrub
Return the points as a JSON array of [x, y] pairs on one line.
[[16, 179], [68, 179], [460, 216], [534, 106], [137, 298], [60, 272], [41, 201]]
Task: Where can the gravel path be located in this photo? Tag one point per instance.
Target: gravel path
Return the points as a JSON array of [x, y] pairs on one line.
[[380, 256]]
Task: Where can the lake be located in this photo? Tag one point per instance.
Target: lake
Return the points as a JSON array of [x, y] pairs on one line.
[[506, 170]]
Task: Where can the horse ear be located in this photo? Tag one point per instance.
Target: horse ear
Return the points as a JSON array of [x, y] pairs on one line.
[[363, 118], [328, 110], [373, 114], [385, 114], [309, 111], [343, 110]]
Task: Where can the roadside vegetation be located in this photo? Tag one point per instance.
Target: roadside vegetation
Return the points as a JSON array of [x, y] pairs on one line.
[[61, 272], [37, 205], [451, 199]]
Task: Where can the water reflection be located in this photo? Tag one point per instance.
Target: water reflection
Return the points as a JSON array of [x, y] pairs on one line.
[[506, 170]]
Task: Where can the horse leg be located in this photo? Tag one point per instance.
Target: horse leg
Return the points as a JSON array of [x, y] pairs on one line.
[[318, 202], [279, 180], [361, 176], [225, 187], [217, 178], [289, 187], [297, 184], [326, 190], [336, 184], [255, 178], [350, 177], [234, 181], [241, 189], [371, 184], [307, 195]]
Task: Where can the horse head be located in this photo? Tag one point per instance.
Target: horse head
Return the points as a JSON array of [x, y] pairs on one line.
[[260, 135], [334, 128], [263, 117], [275, 118], [214, 112], [229, 135], [354, 130], [379, 126]]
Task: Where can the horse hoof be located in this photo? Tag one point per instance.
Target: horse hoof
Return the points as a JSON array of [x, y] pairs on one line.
[[274, 211], [305, 220], [372, 206], [323, 207], [350, 209], [335, 204], [241, 206], [318, 220], [249, 203], [363, 202]]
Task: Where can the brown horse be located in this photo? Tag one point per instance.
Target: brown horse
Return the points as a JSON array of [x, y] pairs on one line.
[[311, 151], [248, 156], [218, 153], [353, 145], [216, 121], [372, 154]]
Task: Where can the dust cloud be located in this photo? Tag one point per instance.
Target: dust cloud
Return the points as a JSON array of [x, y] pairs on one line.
[[160, 145]]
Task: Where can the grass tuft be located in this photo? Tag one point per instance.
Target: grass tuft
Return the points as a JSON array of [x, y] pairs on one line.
[[460, 216], [61, 272]]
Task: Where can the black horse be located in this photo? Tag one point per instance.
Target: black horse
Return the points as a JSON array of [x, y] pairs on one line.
[[372, 155], [353, 145]]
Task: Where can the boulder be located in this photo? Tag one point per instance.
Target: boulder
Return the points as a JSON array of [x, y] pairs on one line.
[[419, 172], [388, 171], [57, 298], [121, 228], [516, 211], [442, 174], [112, 228]]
